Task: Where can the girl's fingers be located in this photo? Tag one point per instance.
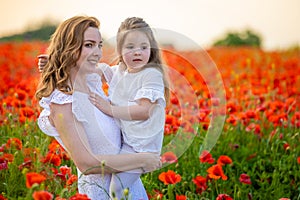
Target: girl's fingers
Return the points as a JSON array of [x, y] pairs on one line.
[[43, 56]]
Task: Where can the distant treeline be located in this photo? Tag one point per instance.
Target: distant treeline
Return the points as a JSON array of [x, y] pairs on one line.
[[43, 33], [244, 38]]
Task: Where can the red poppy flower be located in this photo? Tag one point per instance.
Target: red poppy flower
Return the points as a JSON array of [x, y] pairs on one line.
[[286, 146], [60, 198], [56, 148], [2, 197], [3, 164], [32, 178], [206, 157], [65, 170], [26, 163], [156, 195], [244, 178], [223, 197], [200, 183], [79, 197], [170, 119], [253, 127], [20, 94], [14, 143], [27, 112], [251, 114], [169, 177], [216, 172], [223, 160], [169, 157], [298, 159], [42, 195], [8, 157], [52, 158], [180, 197], [174, 100], [232, 119], [73, 178], [2, 147]]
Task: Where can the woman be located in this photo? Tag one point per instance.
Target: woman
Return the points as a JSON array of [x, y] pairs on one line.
[[91, 137]]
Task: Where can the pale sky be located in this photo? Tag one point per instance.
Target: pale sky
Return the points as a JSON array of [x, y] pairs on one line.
[[202, 21]]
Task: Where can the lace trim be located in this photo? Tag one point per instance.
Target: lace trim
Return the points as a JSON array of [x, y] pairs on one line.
[[43, 120], [150, 94]]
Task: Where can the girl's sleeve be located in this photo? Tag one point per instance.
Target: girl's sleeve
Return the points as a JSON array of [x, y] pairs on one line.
[[152, 87], [108, 72]]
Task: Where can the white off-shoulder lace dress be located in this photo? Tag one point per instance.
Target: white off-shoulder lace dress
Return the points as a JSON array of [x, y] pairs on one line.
[[102, 132]]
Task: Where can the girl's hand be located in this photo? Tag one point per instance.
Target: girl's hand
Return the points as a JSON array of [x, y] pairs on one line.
[[43, 59], [100, 103]]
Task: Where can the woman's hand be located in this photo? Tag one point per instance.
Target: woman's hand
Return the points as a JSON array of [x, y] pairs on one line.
[[151, 162], [43, 59]]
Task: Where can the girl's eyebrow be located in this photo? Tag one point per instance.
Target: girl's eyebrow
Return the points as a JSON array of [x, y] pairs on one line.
[[131, 43]]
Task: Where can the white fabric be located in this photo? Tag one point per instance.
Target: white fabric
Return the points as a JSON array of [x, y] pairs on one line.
[[102, 132], [125, 90], [106, 70], [128, 179]]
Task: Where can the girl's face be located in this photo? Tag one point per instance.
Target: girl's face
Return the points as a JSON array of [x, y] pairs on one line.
[[91, 50], [136, 50]]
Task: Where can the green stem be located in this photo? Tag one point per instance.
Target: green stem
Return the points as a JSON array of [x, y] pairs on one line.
[[170, 191]]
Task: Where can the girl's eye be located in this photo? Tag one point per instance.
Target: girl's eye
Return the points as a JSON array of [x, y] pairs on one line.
[[129, 47], [144, 47]]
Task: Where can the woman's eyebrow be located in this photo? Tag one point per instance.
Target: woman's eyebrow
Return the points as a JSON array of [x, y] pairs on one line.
[[93, 41]]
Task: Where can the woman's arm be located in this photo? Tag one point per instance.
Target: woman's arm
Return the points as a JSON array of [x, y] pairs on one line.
[[141, 111], [74, 138]]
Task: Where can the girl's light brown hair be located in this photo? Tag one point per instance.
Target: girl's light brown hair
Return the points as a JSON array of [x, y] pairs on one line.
[[155, 60], [64, 50]]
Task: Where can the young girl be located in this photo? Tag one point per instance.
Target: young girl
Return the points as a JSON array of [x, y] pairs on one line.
[[138, 92]]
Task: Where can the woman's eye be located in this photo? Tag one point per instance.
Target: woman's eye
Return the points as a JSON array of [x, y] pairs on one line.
[[89, 45]]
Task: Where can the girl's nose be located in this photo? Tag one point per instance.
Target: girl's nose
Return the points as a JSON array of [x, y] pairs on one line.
[[137, 51]]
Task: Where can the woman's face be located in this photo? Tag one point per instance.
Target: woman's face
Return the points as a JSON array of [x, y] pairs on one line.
[[91, 50], [136, 50]]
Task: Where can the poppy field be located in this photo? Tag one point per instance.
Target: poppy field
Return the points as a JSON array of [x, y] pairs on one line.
[[256, 155]]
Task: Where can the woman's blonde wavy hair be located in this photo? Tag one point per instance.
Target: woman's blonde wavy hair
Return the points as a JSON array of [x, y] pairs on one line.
[[64, 51], [155, 60]]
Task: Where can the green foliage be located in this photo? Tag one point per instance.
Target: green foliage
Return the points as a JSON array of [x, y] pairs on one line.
[[246, 38], [34, 142], [43, 33], [273, 170]]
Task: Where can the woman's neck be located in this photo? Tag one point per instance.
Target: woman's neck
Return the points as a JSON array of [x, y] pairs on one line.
[[78, 80]]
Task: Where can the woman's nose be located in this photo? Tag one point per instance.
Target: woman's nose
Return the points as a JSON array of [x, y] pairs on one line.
[[98, 52]]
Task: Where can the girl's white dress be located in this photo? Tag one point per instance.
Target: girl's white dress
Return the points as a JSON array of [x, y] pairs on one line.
[[102, 132], [126, 89]]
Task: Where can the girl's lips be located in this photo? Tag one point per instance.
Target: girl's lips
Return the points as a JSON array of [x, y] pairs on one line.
[[136, 60]]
